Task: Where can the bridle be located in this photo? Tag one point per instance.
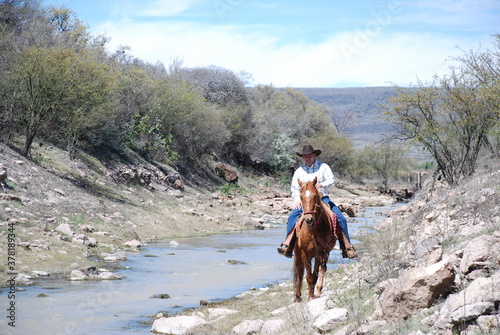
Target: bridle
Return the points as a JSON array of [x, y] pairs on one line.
[[313, 214]]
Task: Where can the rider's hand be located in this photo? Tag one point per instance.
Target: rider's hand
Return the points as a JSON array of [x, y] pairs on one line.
[[297, 205]]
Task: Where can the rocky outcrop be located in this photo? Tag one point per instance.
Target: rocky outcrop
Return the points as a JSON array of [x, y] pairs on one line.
[[449, 266], [400, 194], [351, 208], [132, 175], [146, 175]]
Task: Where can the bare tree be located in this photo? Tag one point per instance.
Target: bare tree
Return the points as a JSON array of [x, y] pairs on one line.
[[452, 115]]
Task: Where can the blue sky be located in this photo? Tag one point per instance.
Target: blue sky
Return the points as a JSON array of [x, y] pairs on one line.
[[292, 43]]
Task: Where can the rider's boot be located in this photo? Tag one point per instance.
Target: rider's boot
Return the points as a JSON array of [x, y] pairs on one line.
[[286, 248], [347, 248]]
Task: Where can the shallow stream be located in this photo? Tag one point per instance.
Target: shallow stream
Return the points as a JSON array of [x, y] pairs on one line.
[[196, 269]]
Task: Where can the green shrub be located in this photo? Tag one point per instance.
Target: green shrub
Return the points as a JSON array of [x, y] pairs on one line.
[[231, 189]]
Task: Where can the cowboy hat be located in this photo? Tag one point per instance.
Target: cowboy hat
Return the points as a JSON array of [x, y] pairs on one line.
[[308, 149]]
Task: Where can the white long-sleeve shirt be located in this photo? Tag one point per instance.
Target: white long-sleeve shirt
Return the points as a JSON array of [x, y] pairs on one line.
[[307, 173]]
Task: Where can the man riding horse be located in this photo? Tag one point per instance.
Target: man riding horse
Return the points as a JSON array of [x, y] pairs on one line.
[[311, 169]]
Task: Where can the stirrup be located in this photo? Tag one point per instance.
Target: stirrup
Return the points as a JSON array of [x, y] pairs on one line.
[[283, 250]]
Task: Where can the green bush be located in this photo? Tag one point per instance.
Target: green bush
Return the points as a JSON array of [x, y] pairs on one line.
[[231, 189]]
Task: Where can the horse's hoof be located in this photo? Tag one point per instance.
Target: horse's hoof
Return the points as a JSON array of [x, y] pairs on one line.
[[297, 300]]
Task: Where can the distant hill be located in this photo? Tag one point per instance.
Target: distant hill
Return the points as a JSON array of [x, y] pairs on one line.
[[357, 109], [359, 113]]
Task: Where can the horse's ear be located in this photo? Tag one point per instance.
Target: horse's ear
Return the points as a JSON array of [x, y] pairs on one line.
[[300, 183], [315, 180]]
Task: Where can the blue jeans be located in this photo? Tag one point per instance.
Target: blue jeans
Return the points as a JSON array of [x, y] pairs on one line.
[[296, 213]]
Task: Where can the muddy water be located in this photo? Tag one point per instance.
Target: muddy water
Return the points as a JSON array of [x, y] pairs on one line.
[[196, 269]]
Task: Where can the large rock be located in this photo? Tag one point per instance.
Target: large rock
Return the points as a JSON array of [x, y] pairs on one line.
[[415, 289], [178, 325], [228, 174], [273, 327], [135, 244], [248, 327], [323, 315], [351, 209], [315, 308], [65, 229], [481, 297], [481, 252], [330, 319], [175, 181]]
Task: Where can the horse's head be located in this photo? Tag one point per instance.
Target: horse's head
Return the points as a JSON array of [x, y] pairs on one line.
[[310, 199]]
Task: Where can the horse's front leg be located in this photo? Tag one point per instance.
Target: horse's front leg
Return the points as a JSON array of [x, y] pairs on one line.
[[316, 270], [321, 279], [298, 274], [310, 277]]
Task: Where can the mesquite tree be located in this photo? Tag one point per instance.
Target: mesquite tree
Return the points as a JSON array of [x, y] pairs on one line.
[[451, 116]]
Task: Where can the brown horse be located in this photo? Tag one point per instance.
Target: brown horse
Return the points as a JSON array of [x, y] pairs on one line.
[[315, 240]]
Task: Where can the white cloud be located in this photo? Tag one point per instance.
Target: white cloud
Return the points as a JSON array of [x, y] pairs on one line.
[[382, 59], [155, 8]]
